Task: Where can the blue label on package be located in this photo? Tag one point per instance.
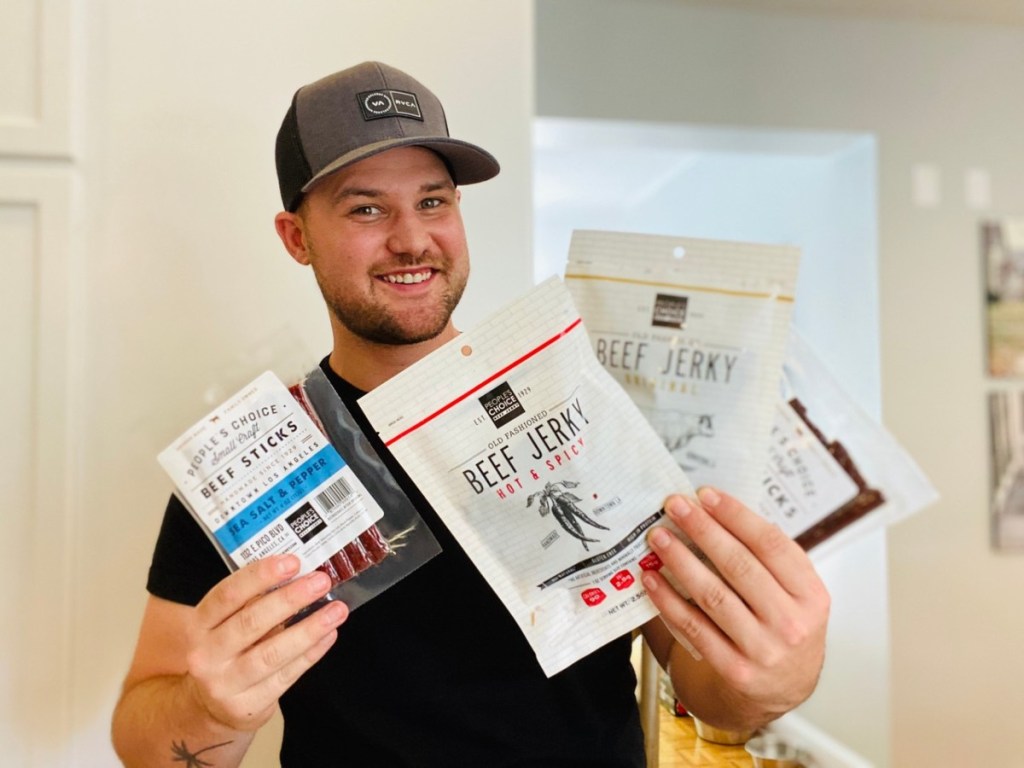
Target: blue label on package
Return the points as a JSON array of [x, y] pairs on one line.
[[279, 499]]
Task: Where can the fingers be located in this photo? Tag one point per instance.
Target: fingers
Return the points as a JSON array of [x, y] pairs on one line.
[[255, 599], [279, 661], [726, 580], [241, 658], [246, 696], [245, 584], [683, 621], [717, 619], [779, 554], [758, 609], [725, 557], [250, 611]]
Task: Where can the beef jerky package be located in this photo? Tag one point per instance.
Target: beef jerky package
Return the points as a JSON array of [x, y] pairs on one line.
[[833, 471], [260, 477], [541, 466], [695, 332]]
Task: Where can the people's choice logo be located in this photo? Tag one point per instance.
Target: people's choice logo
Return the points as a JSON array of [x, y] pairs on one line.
[[669, 311], [501, 404], [306, 522]]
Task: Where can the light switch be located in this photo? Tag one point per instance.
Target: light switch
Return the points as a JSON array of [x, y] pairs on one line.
[[926, 185], [978, 189]]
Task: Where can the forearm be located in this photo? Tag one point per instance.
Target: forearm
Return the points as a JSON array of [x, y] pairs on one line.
[[159, 722]]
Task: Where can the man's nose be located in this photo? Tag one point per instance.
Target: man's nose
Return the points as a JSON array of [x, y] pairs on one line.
[[409, 236]]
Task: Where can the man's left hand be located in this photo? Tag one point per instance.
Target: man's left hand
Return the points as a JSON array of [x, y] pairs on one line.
[[755, 626]]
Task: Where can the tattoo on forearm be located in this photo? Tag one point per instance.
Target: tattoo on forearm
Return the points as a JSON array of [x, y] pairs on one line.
[[191, 759]]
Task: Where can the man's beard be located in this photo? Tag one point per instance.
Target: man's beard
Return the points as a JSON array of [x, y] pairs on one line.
[[378, 324]]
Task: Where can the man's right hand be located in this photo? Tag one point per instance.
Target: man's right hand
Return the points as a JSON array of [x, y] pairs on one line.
[[207, 677], [240, 658]]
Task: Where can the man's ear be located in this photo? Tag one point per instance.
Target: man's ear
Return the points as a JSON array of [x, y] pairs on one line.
[[293, 236]]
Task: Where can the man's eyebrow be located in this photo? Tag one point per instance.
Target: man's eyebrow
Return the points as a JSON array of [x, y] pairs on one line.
[[348, 192], [439, 184]]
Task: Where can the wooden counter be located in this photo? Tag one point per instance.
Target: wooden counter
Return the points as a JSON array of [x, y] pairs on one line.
[[679, 747]]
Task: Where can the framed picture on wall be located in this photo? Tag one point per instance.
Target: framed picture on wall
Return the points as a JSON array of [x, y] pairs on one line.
[[1002, 253], [1006, 417]]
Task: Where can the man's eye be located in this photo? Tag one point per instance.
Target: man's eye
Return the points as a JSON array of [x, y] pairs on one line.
[[366, 210], [432, 202]]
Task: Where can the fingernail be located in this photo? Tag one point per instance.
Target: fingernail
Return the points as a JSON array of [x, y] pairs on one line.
[[678, 507], [333, 613], [288, 565], [686, 644], [708, 496], [660, 537], [318, 582], [649, 581]]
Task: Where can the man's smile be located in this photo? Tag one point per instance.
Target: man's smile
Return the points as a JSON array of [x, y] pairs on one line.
[[407, 278]]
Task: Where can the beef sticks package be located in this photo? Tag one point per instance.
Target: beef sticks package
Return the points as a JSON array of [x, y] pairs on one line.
[[541, 466], [695, 332], [260, 477], [833, 472]]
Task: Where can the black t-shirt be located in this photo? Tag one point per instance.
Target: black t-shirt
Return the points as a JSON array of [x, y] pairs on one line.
[[432, 672]]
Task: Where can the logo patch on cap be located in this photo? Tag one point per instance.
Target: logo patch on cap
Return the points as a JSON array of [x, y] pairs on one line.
[[389, 103]]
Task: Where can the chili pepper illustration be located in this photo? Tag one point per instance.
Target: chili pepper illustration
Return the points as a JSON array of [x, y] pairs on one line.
[[557, 501]]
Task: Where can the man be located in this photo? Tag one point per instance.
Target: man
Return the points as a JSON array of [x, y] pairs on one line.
[[434, 671]]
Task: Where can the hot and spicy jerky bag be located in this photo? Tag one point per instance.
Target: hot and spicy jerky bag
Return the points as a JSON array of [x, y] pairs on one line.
[[695, 331], [542, 468]]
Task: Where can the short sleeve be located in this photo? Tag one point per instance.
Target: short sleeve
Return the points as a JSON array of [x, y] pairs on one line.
[[185, 563]]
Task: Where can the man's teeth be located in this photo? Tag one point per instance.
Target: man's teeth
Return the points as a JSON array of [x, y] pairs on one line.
[[407, 277]]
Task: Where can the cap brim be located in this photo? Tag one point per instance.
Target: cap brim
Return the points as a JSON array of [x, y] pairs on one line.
[[468, 163]]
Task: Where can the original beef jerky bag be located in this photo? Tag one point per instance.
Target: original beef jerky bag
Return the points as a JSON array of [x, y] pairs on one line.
[[541, 466], [695, 331]]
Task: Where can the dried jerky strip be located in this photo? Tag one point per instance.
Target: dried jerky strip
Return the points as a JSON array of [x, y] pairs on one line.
[[357, 555], [377, 548], [372, 547], [369, 548], [342, 565], [331, 571], [866, 499], [375, 545]]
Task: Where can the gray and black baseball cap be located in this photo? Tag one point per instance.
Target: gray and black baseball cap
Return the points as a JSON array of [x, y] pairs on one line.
[[359, 112]]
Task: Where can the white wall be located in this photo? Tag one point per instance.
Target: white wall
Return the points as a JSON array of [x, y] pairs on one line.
[[36, 189], [177, 288], [932, 93]]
